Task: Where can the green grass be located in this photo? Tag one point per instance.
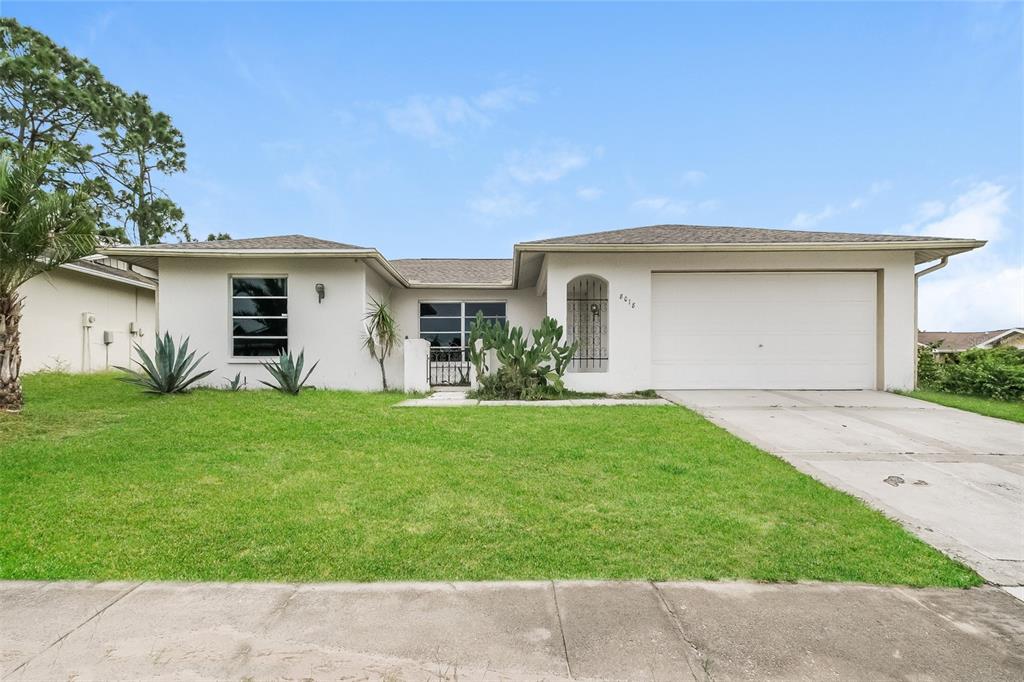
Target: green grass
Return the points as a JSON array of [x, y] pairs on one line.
[[1004, 409], [98, 481]]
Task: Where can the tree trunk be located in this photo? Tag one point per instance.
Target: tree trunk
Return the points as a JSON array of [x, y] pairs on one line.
[[383, 376], [10, 353]]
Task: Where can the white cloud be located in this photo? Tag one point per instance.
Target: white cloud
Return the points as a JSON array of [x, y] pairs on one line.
[[971, 298], [978, 213], [435, 119], [808, 219], [879, 186], [510, 205], [432, 118], [663, 207], [544, 165], [693, 177], [99, 25], [589, 193], [502, 192], [979, 290], [804, 220], [503, 99], [304, 180]]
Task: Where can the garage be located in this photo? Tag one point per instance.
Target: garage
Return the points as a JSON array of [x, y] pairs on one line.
[[764, 330]]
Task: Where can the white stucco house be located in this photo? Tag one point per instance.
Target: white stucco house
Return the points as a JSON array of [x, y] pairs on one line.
[[663, 307], [87, 315]]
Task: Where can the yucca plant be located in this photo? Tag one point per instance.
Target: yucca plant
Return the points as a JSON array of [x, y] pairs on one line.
[[287, 372], [382, 334], [170, 370]]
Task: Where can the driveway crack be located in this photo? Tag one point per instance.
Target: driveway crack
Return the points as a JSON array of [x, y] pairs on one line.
[[70, 632]]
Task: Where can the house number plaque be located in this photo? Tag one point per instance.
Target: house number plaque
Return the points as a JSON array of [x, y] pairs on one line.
[[628, 301]]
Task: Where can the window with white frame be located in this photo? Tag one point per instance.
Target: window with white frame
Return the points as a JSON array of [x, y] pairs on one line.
[[259, 316]]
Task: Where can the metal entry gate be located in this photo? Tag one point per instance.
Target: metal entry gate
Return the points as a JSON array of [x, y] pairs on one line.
[[448, 367]]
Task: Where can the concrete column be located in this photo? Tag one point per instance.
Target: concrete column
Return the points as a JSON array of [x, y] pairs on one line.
[[416, 354]]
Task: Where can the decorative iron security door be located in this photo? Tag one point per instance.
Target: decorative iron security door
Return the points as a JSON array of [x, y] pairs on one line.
[[587, 323]]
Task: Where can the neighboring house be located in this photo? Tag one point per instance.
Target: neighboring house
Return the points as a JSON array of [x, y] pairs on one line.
[[946, 343], [85, 316], [664, 307]]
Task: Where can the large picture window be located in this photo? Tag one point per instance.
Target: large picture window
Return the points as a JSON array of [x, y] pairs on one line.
[[447, 324], [259, 316]]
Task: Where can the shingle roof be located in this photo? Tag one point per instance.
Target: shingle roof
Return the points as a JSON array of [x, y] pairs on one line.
[[106, 270], [288, 241], [701, 234], [443, 271], [957, 341]]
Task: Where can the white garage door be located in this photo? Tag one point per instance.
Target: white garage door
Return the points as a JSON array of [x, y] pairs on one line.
[[813, 330]]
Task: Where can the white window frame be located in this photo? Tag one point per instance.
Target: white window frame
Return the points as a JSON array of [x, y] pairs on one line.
[[463, 328], [232, 317]]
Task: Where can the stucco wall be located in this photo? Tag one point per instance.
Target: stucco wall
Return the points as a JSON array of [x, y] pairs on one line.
[[629, 281], [52, 334], [195, 301]]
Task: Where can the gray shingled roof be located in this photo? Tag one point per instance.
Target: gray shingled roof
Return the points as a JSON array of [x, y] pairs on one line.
[[288, 241], [700, 234], [455, 270], [957, 341], [102, 269]]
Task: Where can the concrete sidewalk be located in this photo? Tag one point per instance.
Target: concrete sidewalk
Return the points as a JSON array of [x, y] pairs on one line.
[[507, 631]]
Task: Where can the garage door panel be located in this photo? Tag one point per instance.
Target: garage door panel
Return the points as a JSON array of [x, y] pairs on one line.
[[763, 330], [747, 348], [768, 317]]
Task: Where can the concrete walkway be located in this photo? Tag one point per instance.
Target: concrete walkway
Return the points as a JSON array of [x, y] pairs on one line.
[[461, 399], [954, 478], [507, 631]]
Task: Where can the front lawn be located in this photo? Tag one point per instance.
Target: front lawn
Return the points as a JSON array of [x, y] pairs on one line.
[[98, 481], [990, 407]]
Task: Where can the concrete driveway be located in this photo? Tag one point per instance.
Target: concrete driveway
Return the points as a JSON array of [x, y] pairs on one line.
[[954, 478]]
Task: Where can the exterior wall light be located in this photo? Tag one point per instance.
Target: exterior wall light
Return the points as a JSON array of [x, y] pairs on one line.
[[319, 291]]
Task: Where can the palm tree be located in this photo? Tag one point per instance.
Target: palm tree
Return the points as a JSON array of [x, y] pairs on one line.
[[39, 231], [381, 334]]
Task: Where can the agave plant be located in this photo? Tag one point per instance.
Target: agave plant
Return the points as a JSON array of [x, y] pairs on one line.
[[287, 372], [170, 370], [235, 384]]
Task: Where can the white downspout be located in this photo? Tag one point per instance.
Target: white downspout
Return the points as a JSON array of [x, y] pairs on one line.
[[943, 262]]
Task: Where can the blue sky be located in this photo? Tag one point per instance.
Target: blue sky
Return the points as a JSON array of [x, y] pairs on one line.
[[459, 129]]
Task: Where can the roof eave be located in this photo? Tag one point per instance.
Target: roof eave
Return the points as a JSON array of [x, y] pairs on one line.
[[110, 276], [128, 253], [461, 285], [961, 244]]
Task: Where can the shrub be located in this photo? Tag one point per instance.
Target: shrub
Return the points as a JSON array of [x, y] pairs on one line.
[[287, 373], [989, 373], [928, 374], [529, 367], [170, 370], [996, 373]]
